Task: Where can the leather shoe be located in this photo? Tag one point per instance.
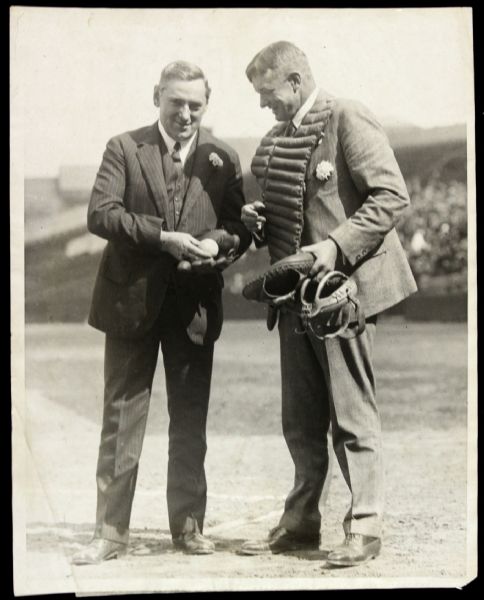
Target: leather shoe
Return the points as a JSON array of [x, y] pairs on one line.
[[280, 540], [355, 550], [97, 551], [192, 541]]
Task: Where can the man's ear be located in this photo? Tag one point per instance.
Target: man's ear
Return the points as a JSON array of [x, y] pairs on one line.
[[156, 95], [295, 80]]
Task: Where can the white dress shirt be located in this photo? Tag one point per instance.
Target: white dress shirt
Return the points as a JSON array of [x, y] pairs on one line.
[[305, 108], [185, 145]]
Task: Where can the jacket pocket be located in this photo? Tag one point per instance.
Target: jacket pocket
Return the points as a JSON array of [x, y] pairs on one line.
[[379, 252], [370, 266], [115, 266]]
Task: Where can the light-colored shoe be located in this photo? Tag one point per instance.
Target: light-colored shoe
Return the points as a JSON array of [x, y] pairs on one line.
[[355, 550], [99, 550]]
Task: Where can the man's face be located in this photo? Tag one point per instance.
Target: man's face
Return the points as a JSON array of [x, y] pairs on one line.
[[278, 93], [182, 105]]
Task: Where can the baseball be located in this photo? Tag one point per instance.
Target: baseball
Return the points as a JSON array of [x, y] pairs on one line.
[[210, 246]]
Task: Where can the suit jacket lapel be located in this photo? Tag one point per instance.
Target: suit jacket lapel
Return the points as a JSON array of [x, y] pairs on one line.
[[149, 156], [201, 172], [322, 98]]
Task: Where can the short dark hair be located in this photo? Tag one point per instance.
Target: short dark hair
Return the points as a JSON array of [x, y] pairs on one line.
[[279, 56], [185, 71]]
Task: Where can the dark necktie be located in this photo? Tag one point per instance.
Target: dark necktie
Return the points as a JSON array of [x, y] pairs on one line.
[[175, 155], [290, 129]]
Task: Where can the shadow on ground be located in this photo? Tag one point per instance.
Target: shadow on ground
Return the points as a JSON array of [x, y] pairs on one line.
[[45, 538]]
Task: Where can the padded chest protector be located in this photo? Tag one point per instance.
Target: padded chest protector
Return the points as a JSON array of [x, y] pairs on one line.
[[280, 165]]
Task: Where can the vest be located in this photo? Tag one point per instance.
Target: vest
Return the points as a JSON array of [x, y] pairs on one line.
[[176, 182], [280, 166]]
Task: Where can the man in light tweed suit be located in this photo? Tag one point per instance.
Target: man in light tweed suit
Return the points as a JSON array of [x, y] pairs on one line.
[[331, 186], [157, 191]]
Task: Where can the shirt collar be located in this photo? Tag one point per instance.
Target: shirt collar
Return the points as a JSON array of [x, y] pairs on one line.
[[185, 145], [305, 108]]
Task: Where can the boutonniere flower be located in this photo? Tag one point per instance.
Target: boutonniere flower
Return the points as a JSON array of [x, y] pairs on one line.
[[324, 170], [215, 160]]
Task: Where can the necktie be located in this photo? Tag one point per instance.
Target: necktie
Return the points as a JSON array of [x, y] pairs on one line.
[[290, 129], [177, 192], [175, 155]]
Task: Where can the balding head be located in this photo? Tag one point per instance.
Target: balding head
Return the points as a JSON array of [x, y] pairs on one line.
[[280, 59], [281, 75]]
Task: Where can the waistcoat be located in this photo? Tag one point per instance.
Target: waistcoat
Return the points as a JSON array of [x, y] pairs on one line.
[[176, 181]]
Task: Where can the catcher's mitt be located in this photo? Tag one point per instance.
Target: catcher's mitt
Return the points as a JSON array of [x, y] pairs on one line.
[[227, 243], [281, 281], [328, 308]]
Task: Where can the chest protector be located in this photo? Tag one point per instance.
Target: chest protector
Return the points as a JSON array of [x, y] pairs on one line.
[[280, 166]]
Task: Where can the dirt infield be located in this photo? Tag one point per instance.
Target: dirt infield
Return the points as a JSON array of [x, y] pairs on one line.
[[422, 389]]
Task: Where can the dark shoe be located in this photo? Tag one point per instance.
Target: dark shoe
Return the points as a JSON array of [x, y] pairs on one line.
[[280, 540], [193, 542], [97, 551], [355, 550]]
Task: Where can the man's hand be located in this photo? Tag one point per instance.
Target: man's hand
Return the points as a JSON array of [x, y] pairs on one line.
[[251, 218], [326, 253], [182, 246], [207, 265]]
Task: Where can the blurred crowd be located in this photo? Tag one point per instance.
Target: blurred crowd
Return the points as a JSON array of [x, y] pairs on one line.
[[434, 233]]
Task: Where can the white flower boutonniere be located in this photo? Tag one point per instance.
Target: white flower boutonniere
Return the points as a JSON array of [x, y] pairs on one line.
[[215, 160], [324, 170]]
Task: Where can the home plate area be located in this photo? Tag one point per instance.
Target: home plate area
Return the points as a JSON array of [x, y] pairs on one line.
[[248, 467]]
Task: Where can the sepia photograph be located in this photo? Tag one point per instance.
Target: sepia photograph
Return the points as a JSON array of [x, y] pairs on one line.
[[243, 299]]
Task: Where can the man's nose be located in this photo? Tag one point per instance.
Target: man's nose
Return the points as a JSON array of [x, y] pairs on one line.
[[185, 112]]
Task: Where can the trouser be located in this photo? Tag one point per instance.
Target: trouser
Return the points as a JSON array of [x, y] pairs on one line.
[[330, 382], [129, 370]]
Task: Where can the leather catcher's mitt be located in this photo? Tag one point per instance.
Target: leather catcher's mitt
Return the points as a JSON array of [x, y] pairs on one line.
[[281, 281], [328, 308], [227, 243]]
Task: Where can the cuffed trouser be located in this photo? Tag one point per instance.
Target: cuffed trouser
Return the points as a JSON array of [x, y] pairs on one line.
[[129, 370], [323, 382]]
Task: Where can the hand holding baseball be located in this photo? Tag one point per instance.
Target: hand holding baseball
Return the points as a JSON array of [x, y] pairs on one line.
[[182, 245]]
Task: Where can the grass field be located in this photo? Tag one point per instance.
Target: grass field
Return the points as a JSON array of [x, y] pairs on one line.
[[421, 375], [422, 391]]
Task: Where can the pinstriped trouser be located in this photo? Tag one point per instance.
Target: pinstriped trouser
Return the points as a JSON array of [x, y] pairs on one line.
[[325, 382], [129, 370]]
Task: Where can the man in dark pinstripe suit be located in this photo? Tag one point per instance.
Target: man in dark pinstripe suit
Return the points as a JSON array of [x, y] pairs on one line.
[[157, 191]]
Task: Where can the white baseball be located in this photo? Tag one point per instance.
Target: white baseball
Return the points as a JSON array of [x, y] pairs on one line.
[[210, 246]]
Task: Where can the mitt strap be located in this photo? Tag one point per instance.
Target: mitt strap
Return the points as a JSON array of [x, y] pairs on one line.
[[360, 321], [272, 317]]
